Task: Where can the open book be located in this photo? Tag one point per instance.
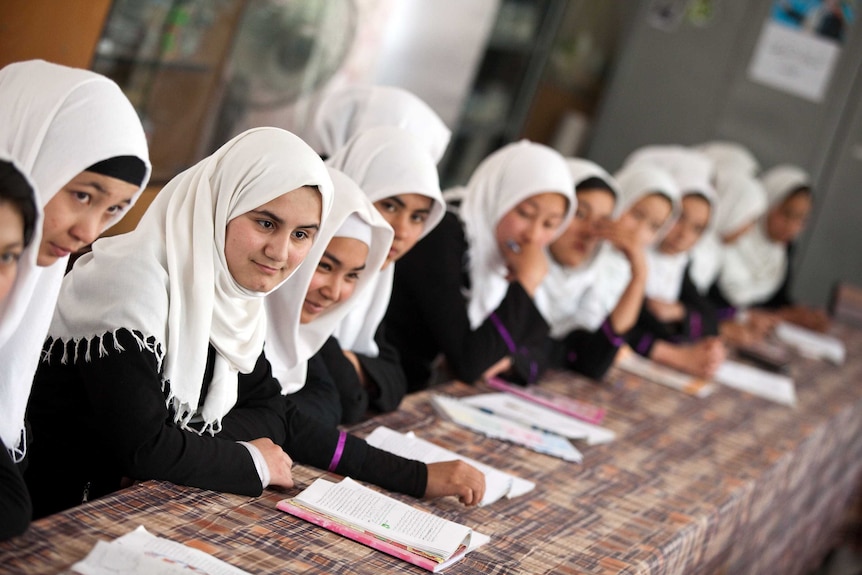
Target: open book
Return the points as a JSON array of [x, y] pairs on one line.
[[566, 405], [810, 343], [498, 484], [384, 523]]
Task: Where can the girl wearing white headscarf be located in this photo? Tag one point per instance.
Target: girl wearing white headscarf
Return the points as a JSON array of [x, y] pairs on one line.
[[397, 174], [350, 111], [153, 368], [17, 221], [301, 321], [302, 314], [678, 326], [78, 139], [572, 276], [466, 291], [757, 267]]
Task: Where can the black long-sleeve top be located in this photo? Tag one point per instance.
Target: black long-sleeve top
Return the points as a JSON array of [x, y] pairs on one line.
[[700, 320], [427, 316], [590, 353], [97, 421], [15, 505]]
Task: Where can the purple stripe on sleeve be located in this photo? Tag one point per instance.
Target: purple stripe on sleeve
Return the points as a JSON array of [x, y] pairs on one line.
[[726, 313], [339, 450], [609, 332], [644, 343], [504, 333], [695, 325]]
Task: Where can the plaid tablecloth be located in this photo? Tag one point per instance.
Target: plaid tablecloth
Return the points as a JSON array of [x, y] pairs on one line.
[[726, 484]]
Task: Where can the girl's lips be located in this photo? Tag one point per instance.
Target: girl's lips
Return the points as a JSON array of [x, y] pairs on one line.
[[266, 269], [58, 251]]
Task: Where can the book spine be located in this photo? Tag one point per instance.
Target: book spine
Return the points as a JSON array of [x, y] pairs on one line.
[[363, 537]]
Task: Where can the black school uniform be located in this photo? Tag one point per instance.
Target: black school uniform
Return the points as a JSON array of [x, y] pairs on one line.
[[427, 316]]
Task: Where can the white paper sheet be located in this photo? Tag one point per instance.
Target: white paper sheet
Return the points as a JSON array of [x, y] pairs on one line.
[[810, 343], [771, 386], [528, 413], [498, 483]]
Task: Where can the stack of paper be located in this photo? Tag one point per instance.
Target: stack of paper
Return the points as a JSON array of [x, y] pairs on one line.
[[810, 343], [140, 552], [498, 484], [384, 523], [506, 429], [528, 413]]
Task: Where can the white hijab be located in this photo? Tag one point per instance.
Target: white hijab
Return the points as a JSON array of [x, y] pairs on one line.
[[693, 173], [350, 111], [560, 294], [384, 162], [741, 200], [168, 280], [730, 157], [635, 180], [55, 122], [754, 266], [289, 343], [501, 181]]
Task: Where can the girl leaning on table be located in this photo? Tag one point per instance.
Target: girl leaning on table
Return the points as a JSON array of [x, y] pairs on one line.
[[154, 366], [17, 222], [757, 269], [465, 292], [395, 171], [79, 140]]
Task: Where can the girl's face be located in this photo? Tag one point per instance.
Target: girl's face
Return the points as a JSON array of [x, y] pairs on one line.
[[79, 212], [407, 214], [689, 227], [264, 246], [787, 220], [11, 245], [646, 217], [580, 240], [533, 221], [335, 277]]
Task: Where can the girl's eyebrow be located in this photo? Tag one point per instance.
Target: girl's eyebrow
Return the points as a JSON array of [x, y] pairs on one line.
[[269, 215], [338, 263]]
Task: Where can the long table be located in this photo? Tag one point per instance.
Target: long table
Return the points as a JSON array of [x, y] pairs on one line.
[[730, 483]]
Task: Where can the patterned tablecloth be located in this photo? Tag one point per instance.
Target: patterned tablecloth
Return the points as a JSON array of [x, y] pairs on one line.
[[727, 484]]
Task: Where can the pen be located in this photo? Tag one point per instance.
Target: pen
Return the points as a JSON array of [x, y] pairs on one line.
[[513, 245]]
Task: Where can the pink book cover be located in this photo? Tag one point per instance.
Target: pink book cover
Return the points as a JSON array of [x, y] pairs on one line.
[[369, 539], [577, 409]]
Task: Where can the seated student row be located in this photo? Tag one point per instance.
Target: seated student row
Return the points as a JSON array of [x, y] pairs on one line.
[[181, 362]]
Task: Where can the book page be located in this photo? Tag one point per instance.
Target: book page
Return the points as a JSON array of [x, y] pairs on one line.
[[497, 483], [528, 413], [385, 516], [142, 552], [567, 405]]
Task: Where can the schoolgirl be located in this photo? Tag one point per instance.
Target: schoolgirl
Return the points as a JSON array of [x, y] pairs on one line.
[[465, 292], [348, 254], [757, 269], [17, 221], [395, 171], [79, 140]]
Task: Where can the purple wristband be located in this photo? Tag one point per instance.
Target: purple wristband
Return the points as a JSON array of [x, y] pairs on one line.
[[339, 450], [609, 332], [695, 328], [644, 344]]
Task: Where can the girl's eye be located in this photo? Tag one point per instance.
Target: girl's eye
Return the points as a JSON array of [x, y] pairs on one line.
[[419, 218], [301, 235], [114, 210], [323, 266], [388, 206], [266, 224], [9, 258], [82, 197], [353, 276], [548, 225]]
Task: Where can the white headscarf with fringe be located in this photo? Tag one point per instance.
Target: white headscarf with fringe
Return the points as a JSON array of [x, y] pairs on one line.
[[289, 343], [55, 122], [168, 282], [500, 182], [385, 161]]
